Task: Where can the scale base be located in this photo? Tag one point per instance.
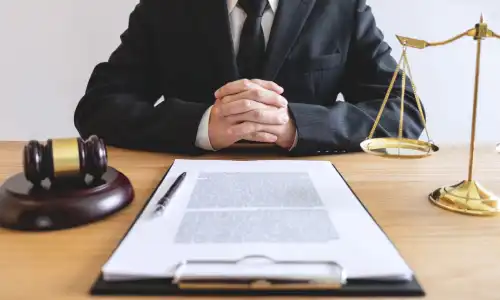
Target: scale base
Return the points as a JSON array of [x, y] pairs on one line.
[[466, 197]]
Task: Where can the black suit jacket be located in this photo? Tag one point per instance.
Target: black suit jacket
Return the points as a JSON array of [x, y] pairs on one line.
[[182, 50]]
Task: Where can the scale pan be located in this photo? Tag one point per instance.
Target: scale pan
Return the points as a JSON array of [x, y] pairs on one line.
[[398, 147]]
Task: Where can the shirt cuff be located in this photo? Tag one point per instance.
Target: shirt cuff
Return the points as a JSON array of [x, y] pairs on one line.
[[202, 138]]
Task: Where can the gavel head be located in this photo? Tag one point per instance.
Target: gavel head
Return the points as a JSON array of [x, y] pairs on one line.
[[71, 158]]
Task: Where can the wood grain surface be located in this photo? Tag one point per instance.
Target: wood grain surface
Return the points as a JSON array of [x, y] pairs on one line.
[[454, 256]]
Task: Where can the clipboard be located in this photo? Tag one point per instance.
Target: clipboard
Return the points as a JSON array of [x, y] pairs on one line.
[[181, 285]]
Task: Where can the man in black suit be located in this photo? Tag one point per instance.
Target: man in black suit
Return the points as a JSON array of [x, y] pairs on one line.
[[266, 71]]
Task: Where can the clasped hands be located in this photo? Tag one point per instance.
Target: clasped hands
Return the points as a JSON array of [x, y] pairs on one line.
[[251, 110]]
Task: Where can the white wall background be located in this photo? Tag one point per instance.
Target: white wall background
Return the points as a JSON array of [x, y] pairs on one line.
[[49, 48]]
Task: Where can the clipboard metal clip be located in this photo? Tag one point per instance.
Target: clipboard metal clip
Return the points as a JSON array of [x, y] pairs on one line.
[[235, 275]]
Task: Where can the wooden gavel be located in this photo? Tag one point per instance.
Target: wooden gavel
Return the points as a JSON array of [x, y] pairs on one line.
[[71, 158]]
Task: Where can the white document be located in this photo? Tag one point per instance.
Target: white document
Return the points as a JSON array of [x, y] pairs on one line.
[[280, 210]]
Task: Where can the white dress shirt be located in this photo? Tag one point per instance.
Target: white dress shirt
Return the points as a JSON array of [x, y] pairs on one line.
[[237, 18]]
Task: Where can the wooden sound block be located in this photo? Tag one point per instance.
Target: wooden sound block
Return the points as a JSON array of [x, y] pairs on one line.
[[63, 204]]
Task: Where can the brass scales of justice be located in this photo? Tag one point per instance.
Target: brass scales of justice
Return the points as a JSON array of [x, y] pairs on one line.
[[468, 196]]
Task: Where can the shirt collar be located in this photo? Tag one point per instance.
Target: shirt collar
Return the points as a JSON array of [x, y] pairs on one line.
[[231, 4]]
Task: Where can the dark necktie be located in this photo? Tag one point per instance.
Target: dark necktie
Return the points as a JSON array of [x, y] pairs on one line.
[[252, 47]]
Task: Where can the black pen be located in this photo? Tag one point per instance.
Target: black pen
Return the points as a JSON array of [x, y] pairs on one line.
[[160, 207]]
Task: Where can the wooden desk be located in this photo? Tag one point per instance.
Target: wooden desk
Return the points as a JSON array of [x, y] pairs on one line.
[[454, 256]]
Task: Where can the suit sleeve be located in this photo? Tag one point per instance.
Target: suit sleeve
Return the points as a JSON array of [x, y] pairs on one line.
[[120, 102], [370, 67]]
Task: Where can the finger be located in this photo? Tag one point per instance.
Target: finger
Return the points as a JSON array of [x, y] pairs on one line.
[[242, 85], [241, 130], [260, 95], [235, 87], [239, 107], [263, 116], [262, 137], [270, 85]]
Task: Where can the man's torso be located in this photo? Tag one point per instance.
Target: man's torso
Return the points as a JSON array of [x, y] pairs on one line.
[[307, 51]]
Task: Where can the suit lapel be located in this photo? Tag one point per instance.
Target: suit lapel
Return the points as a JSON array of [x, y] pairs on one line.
[[288, 23], [213, 22]]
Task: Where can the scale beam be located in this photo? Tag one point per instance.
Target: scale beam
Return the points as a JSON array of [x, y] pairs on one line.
[[480, 31]]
